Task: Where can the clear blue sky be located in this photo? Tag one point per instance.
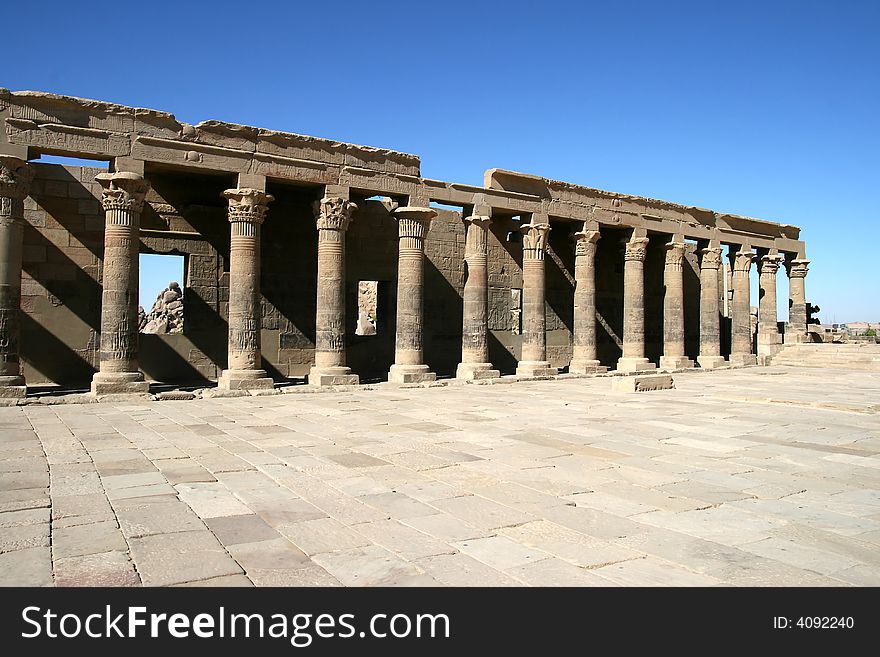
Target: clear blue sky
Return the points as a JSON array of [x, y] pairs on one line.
[[769, 109]]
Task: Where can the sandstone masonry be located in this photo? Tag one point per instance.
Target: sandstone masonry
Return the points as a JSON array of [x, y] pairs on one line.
[[520, 275]]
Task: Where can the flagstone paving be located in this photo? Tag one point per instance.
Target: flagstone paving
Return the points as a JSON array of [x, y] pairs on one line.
[[756, 476]]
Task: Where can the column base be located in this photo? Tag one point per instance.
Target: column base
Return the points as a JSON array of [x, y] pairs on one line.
[[332, 376], [245, 380], [529, 369], [635, 365], [743, 359], [793, 337], [12, 387], [474, 371], [410, 374], [675, 363], [584, 366], [711, 362], [115, 383]]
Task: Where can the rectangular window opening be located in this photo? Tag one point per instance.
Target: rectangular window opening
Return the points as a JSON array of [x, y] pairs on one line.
[[161, 309]]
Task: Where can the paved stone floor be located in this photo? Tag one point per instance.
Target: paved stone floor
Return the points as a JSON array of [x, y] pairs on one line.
[[758, 476]]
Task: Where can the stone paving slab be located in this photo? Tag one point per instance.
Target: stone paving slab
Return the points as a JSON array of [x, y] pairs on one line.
[[745, 477]]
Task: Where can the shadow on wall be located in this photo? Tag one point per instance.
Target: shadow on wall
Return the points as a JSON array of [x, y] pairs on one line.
[[52, 358]]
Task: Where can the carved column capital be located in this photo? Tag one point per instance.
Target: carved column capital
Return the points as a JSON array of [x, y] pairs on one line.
[[798, 268], [15, 177], [476, 244], [247, 205], [413, 223], [123, 190], [534, 240], [770, 264], [674, 255], [636, 249], [742, 262], [333, 213], [711, 258], [585, 242]]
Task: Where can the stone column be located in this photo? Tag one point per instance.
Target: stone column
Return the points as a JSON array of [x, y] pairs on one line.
[[123, 200], [333, 215], [583, 339], [673, 357], [710, 317], [633, 358], [15, 179], [796, 330], [413, 223], [534, 320], [768, 331], [741, 352], [247, 210], [475, 327]]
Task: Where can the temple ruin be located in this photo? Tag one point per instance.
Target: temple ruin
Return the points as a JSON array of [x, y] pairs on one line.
[[523, 275]]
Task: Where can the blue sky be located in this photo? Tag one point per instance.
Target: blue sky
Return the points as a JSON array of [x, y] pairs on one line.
[[768, 109]]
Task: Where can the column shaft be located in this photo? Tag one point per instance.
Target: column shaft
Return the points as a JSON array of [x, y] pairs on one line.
[[15, 178], [633, 358], [409, 367], [674, 357], [475, 324], [741, 350], [534, 320], [796, 331], [247, 210], [123, 199], [768, 331], [584, 357], [710, 317], [333, 216]]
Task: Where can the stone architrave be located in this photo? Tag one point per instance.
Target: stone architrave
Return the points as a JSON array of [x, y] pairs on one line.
[[633, 358], [769, 338], [796, 330], [710, 317], [123, 200], [247, 211], [15, 179], [475, 347], [534, 361], [673, 357], [333, 216], [584, 356], [413, 223], [741, 349]]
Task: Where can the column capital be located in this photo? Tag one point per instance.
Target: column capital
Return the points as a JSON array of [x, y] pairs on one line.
[[636, 249], [247, 205], [798, 268], [674, 254], [15, 177], [333, 213], [413, 221], [534, 240], [770, 264], [482, 221], [123, 190], [585, 242], [742, 261], [711, 258]]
